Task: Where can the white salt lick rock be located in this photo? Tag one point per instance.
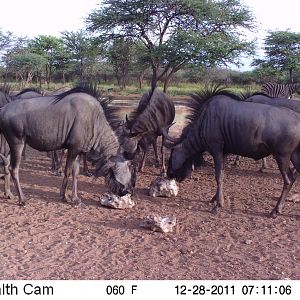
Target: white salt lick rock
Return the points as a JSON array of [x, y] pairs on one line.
[[162, 224], [114, 201], [163, 187]]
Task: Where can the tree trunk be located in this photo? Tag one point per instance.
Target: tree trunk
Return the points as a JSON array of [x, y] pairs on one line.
[[140, 79], [291, 75], [166, 82], [154, 77]]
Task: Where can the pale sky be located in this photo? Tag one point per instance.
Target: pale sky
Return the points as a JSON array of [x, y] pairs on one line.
[[44, 17], [50, 17]]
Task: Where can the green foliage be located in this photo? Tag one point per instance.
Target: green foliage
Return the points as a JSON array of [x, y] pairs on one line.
[[282, 54], [6, 38], [82, 50], [176, 32]]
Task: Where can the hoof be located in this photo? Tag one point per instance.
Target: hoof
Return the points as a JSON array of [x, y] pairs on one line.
[[213, 200], [63, 199], [215, 210], [79, 205], [274, 213], [21, 203], [9, 196]]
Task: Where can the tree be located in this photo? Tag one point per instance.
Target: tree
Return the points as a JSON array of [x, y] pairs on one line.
[[176, 32], [25, 64], [120, 55], [6, 39], [282, 51], [83, 50], [51, 48]]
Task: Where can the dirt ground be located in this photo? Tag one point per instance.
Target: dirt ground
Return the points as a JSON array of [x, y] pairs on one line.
[[49, 239]]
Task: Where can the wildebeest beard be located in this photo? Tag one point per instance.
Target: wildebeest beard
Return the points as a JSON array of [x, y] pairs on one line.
[[181, 173], [105, 167], [118, 188]]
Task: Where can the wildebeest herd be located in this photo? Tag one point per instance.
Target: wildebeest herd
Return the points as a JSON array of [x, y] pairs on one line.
[[82, 122]]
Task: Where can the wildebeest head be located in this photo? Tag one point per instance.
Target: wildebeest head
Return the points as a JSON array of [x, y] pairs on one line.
[[129, 141], [121, 176], [180, 165]]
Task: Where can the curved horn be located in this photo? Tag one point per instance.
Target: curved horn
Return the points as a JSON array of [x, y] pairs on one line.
[[167, 137]]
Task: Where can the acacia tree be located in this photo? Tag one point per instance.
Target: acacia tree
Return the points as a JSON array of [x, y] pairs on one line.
[[282, 51], [6, 39], [176, 32], [25, 65], [51, 48], [83, 50]]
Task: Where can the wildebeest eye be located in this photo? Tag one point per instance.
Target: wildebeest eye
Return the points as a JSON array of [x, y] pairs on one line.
[[128, 155]]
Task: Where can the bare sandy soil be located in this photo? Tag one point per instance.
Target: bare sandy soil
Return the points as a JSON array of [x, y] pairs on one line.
[[49, 239]]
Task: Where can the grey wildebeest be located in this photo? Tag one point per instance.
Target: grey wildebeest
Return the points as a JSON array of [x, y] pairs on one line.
[[74, 120], [227, 125], [4, 149], [57, 156], [278, 102], [144, 125], [26, 94]]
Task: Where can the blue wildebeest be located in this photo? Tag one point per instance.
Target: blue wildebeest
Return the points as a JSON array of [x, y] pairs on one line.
[[76, 121], [225, 126], [4, 149], [278, 102], [26, 94], [56, 157], [144, 125]]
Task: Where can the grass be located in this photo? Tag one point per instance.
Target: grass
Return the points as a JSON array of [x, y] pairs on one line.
[[176, 89]]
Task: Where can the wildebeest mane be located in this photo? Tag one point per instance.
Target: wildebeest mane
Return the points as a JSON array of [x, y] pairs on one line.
[[36, 90], [200, 100], [111, 113], [139, 109]]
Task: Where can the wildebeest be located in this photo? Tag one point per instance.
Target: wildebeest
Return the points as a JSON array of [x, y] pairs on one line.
[[4, 149], [57, 156], [144, 125], [26, 94], [226, 125], [74, 120], [278, 102]]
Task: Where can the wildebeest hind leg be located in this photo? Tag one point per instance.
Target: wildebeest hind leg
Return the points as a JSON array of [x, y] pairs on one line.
[[69, 164], [219, 173], [16, 154], [6, 162], [288, 180]]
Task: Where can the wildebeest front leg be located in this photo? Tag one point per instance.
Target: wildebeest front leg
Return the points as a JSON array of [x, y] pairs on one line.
[[16, 154], [163, 171], [69, 163], [142, 165], [75, 172], [288, 180], [219, 172]]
